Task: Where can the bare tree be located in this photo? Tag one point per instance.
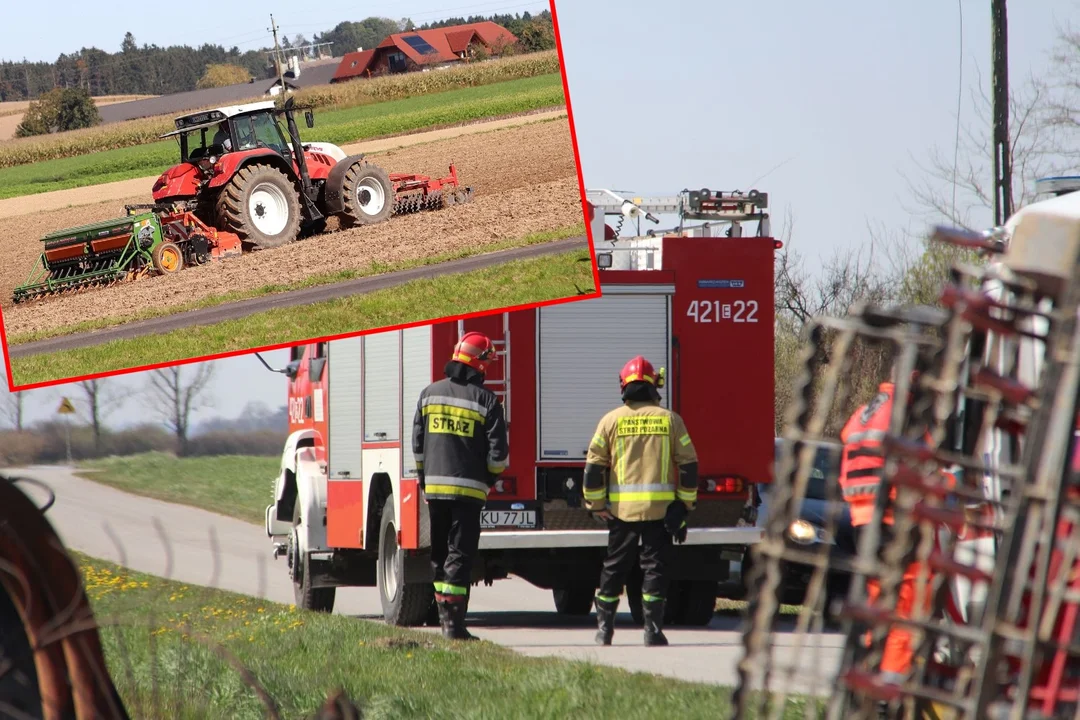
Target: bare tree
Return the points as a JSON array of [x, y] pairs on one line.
[[102, 400], [178, 398], [957, 184], [11, 406]]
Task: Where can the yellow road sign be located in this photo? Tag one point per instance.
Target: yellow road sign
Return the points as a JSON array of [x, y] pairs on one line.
[[66, 408]]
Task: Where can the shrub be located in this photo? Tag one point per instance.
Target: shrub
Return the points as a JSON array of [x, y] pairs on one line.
[[260, 442], [59, 110]]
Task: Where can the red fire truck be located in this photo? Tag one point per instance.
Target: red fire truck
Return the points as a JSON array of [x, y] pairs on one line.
[[347, 510]]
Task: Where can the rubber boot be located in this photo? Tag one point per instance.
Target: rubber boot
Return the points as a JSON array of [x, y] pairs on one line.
[[454, 623], [654, 623], [605, 620], [446, 621]]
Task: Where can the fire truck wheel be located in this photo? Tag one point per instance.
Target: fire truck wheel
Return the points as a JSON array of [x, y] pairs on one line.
[[403, 604], [368, 195], [698, 603], [575, 600], [307, 597], [261, 205]]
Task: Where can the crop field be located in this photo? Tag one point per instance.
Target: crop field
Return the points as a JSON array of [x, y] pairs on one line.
[[508, 284], [160, 639], [524, 180], [341, 96], [339, 126]]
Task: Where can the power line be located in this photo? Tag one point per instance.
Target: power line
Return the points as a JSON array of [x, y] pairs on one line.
[[959, 100]]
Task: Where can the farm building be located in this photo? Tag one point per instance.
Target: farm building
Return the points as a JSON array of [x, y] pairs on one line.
[[425, 49], [299, 75]]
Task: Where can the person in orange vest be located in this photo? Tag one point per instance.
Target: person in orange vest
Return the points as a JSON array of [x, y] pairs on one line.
[[862, 468]]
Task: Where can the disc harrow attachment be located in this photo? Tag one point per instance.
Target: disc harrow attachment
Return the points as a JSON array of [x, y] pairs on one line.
[[984, 493], [417, 193]]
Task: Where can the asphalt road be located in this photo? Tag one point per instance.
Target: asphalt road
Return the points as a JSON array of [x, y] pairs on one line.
[[305, 296], [116, 526]]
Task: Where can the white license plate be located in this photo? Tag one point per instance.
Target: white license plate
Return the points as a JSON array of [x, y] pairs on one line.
[[523, 519]]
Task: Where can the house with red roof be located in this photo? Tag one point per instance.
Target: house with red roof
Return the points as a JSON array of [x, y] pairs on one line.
[[425, 49]]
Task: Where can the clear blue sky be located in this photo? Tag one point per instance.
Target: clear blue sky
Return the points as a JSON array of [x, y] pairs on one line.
[[844, 97]]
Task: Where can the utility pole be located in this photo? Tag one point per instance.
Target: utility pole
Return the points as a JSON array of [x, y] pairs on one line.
[[277, 54], [1002, 164]]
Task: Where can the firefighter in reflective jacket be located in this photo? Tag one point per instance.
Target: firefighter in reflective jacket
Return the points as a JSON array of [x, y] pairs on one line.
[[460, 445], [861, 470], [652, 487]]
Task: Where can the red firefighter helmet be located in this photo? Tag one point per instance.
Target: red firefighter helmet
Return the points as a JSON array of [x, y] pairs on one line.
[[640, 369], [475, 350]]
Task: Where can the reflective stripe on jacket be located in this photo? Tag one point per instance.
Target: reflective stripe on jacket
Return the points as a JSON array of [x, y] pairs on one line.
[[642, 444], [459, 438]]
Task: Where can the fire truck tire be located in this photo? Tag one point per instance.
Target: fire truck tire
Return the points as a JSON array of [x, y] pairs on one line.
[[698, 603], [261, 205], [403, 604], [368, 195], [574, 600], [307, 597]]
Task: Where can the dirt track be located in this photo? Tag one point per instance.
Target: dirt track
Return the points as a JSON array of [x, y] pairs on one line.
[[524, 181]]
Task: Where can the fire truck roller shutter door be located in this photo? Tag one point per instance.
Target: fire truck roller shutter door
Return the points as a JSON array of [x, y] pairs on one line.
[[346, 400], [382, 376], [416, 375], [582, 347]]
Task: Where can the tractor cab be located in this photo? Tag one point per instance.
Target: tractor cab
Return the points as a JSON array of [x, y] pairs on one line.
[[245, 127]]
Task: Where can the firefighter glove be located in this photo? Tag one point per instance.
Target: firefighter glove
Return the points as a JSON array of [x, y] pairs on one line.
[[675, 521], [420, 477]]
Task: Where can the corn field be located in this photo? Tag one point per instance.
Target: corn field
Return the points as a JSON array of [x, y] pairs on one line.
[[25, 151]]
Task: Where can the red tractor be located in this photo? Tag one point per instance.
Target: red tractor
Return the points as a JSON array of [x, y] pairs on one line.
[[240, 172]]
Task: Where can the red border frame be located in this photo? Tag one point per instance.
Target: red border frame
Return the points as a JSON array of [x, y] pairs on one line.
[[430, 321]]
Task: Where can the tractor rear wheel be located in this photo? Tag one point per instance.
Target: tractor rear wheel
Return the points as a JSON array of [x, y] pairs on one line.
[[167, 258], [261, 205], [368, 195]]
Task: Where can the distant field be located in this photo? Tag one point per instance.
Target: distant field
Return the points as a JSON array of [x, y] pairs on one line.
[[336, 126], [11, 113], [338, 96]]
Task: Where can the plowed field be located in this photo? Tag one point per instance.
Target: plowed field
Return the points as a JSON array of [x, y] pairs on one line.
[[524, 180]]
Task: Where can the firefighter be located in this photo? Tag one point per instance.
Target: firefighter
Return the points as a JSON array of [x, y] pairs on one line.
[[460, 445], [631, 481], [861, 470]]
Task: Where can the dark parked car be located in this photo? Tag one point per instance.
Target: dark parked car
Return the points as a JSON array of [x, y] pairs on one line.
[[809, 530]]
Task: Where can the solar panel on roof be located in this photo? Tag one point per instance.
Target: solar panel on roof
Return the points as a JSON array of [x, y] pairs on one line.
[[420, 45]]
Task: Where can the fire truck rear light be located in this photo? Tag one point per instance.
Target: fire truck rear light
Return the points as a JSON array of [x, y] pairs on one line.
[[507, 485], [778, 244], [725, 484]]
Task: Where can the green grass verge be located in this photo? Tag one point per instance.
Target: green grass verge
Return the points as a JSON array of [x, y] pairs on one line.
[[239, 486], [152, 630], [513, 283], [336, 126], [312, 281]]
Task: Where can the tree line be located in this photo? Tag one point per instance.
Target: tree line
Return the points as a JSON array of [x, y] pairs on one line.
[[154, 70], [173, 394]]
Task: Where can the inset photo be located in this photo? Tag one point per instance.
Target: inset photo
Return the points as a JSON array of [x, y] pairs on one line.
[[160, 204]]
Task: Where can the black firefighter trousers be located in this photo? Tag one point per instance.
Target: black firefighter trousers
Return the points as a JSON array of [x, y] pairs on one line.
[[623, 553], [455, 538]]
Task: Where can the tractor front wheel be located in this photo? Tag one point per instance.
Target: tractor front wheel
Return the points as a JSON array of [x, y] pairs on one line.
[[368, 195], [167, 258], [261, 205]]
